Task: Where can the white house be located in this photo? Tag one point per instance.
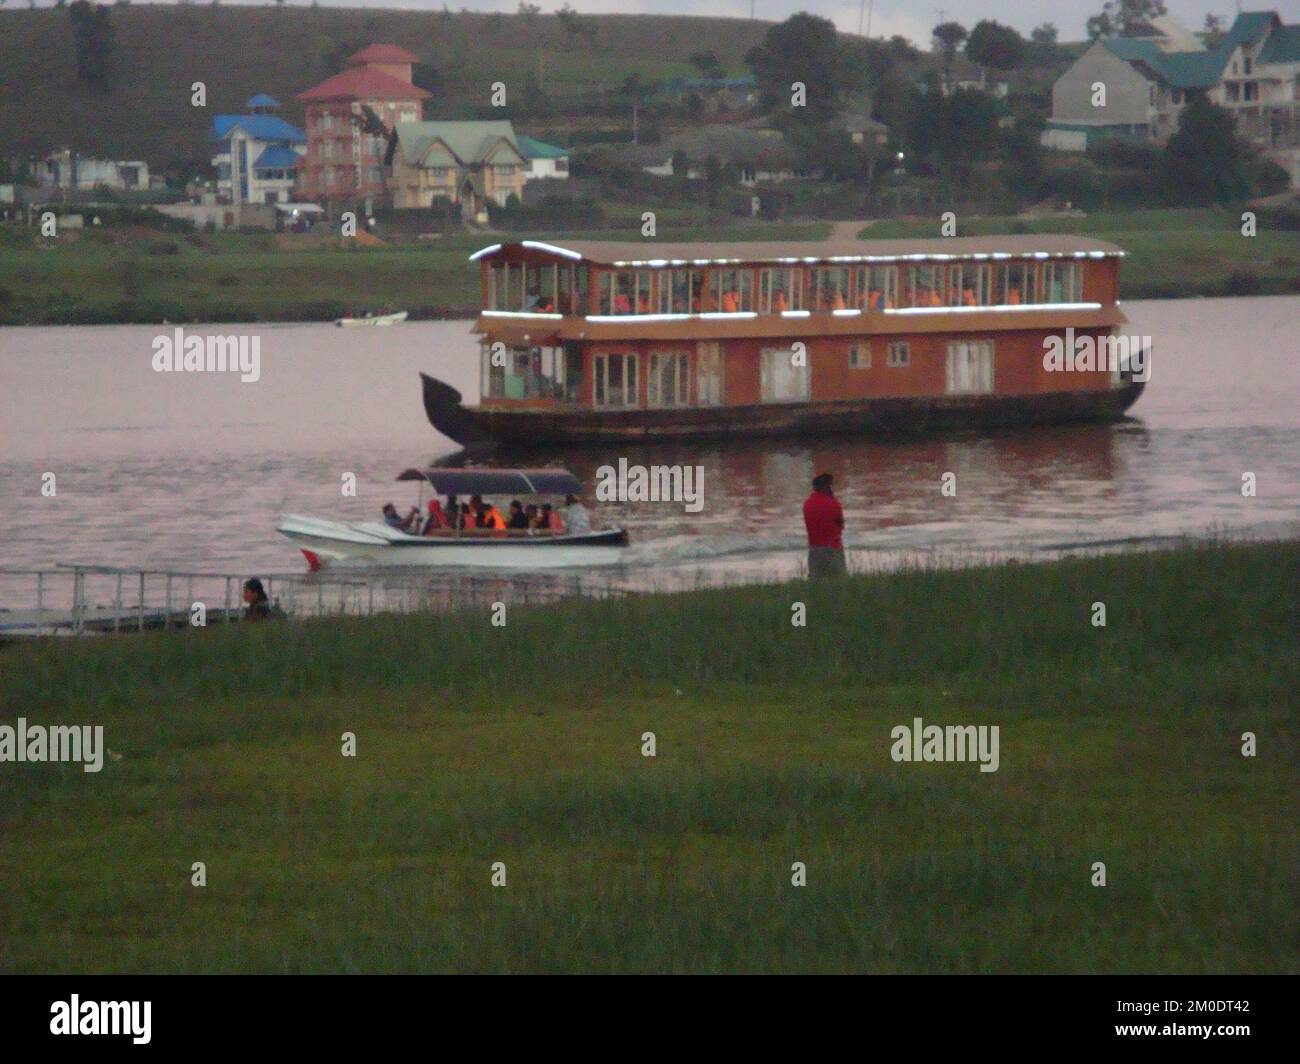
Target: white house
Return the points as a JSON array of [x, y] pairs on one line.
[[544, 160], [256, 154], [67, 169]]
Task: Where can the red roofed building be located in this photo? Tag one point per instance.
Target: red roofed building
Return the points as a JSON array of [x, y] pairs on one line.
[[345, 146]]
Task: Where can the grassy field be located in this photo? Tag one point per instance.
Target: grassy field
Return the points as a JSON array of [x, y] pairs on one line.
[[522, 745], [1172, 253], [151, 277]]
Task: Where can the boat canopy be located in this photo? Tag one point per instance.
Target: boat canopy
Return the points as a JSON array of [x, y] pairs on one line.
[[497, 481]]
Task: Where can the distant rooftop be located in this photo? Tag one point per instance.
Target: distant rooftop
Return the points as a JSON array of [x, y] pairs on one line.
[[382, 53], [259, 127]]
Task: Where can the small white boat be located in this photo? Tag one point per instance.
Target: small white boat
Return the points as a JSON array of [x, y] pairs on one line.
[[374, 319], [327, 543]]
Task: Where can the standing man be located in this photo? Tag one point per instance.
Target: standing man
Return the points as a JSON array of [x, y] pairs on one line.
[[823, 517]]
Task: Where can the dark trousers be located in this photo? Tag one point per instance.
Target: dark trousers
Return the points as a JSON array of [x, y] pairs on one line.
[[826, 562]]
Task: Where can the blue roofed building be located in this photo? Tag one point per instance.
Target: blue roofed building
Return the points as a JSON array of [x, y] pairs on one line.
[[1137, 86], [256, 154]]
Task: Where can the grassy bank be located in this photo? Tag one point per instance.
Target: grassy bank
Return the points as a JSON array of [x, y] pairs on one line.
[[522, 745], [1171, 253], [141, 276]]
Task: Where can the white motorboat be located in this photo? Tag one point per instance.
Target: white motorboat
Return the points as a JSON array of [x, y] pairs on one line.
[[374, 319], [375, 543]]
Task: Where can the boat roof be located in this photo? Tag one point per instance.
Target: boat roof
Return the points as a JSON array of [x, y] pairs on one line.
[[486, 481], [649, 253]]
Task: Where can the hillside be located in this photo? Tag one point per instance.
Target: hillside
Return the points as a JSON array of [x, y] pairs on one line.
[[237, 51]]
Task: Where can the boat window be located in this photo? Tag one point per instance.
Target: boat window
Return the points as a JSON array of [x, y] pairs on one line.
[[618, 292], [924, 286], [673, 291], [1062, 282], [781, 378], [860, 356], [831, 288], [1015, 284], [708, 374], [877, 287], [524, 373], [668, 382], [505, 286], [614, 382], [961, 292], [538, 290], [780, 290], [983, 286], [898, 353], [569, 301], [735, 290]]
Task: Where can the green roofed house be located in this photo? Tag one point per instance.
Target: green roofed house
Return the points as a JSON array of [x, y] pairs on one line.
[[470, 163], [544, 160], [1137, 86]]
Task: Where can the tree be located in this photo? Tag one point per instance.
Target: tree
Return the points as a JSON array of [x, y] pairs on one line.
[[1213, 30], [93, 37], [708, 64], [1205, 161], [529, 11], [1044, 34], [803, 48], [948, 37], [992, 44], [1124, 18]]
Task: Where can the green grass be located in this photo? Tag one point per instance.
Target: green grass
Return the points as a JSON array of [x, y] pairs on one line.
[[522, 744], [1171, 252], [254, 277]]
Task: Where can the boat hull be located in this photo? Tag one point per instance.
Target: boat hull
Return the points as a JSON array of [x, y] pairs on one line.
[[378, 321], [470, 426], [334, 543]]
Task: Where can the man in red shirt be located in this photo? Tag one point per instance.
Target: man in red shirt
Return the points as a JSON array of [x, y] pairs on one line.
[[823, 517]]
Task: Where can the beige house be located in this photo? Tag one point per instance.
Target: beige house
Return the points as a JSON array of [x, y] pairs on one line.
[[470, 163], [1253, 71]]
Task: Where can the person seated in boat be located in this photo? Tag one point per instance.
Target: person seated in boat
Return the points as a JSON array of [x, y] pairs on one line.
[[468, 516], [548, 520], [518, 520], [622, 305], [487, 516], [968, 296], [730, 303], [779, 305], [402, 524], [533, 516], [437, 520], [576, 519]]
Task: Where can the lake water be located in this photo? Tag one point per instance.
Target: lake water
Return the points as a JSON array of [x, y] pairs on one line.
[[193, 470]]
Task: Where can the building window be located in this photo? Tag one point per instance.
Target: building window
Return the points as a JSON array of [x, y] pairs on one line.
[[970, 367], [860, 356], [561, 166], [503, 172], [669, 382], [780, 290], [898, 354], [614, 380]]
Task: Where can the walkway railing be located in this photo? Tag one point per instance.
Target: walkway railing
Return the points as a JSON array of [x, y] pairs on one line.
[[81, 599]]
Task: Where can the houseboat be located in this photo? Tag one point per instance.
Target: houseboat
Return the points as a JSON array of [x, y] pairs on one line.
[[596, 341]]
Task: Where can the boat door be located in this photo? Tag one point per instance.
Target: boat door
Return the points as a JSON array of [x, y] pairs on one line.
[[708, 374], [783, 378]]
